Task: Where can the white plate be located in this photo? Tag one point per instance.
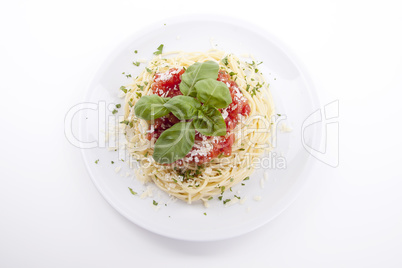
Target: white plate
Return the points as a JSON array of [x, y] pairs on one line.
[[293, 96]]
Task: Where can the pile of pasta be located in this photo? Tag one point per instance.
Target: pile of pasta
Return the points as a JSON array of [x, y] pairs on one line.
[[253, 134]]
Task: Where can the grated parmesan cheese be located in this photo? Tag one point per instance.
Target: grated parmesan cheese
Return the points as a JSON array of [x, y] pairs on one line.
[[201, 148], [225, 113], [147, 193], [241, 201], [257, 198], [166, 76], [232, 202]]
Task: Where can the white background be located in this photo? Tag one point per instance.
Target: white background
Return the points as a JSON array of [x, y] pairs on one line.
[[51, 215]]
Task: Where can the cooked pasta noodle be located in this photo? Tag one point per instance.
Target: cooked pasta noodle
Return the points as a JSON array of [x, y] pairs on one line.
[[252, 134]]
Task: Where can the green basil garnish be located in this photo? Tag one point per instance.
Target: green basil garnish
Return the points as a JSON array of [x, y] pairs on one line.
[[174, 143], [196, 72], [183, 107], [151, 107], [202, 96], [210, 122], [214, 93]]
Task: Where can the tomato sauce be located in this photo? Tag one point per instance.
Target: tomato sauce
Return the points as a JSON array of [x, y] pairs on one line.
[[167, 85]]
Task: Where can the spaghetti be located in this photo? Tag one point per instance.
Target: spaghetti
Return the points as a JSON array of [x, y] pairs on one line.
[[188, 179]]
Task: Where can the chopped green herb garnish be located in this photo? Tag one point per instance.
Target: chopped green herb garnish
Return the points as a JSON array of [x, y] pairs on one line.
[[96, 161], [238, 197], [159, 50], [232, 73], [205, 213], [136, 63], [118, 105], [112, 162], [253, 92], [246, 178], [124, 89], [210, 198], [148, 70], [115, 111], [278, 114], [220, 197], [225, 61], [226, 200], [135, 51], [125, 122], [154, 203], [132, 192], [222, 189]]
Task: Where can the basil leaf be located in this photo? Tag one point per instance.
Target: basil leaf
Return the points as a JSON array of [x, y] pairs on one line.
[[196, 72], [210, 122], [214, 93], [174, 143], [183, 107], [151, 107]]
